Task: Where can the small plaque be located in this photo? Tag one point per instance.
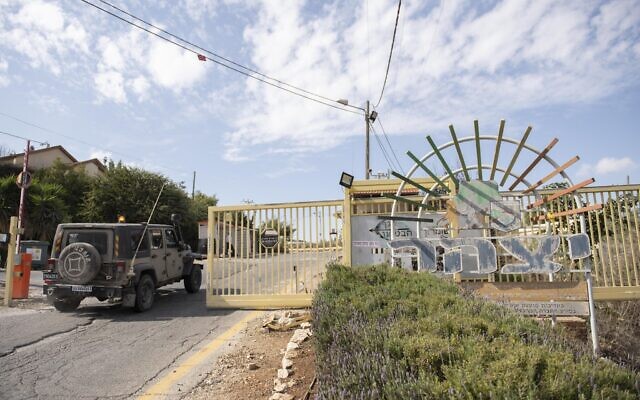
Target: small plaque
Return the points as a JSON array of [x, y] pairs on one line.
[[558, 308]]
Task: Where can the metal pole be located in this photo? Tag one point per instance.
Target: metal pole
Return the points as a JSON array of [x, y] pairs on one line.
[[11, 256], [23, 191], [366, 143], [193, 187], [592, 316]]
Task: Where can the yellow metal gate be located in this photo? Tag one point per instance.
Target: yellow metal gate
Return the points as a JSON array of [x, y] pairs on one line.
[[271, 256]]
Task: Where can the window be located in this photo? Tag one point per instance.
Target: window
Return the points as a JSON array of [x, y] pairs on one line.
[[134, 240], [97, 239], [171, 238], [156, 238]]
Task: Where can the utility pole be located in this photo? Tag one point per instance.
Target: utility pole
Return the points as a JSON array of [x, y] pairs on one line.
[[366, 143], [193, 186], [23, 191]]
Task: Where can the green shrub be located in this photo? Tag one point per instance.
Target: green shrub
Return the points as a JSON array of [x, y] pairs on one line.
[[384, 333]]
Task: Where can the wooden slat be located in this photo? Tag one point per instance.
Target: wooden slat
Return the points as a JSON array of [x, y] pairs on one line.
[[442, 161], [497, 152], [561, 193], [534, 163], [515, 155], [428, 171], [476, 128], [405, 200], [551, 175], [552, 216], [412, 183], [459, 151]]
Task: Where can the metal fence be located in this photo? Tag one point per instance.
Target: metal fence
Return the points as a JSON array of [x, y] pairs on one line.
[[266, 256]]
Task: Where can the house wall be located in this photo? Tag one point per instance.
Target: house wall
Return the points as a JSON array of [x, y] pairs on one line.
[[40, 160]]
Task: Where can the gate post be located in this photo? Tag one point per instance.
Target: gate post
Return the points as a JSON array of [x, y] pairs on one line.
[[346, 227], [11, 256]]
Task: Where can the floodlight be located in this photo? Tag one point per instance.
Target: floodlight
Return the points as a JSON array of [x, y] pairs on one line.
[[346, 180]]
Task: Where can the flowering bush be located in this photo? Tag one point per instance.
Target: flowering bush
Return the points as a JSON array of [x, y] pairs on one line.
[[384, 333]]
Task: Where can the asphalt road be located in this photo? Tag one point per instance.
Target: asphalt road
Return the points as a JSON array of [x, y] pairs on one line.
[[107, 351]]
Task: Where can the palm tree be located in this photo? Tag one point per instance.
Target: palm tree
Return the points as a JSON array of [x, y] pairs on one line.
[[46, 210], [9, 200]]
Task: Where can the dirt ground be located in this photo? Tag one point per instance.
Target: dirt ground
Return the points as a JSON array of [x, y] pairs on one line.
[[231, 377]]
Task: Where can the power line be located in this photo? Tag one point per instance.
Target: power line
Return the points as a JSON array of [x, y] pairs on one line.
[[90, 145], [384, 152], [389, 143], [212, 53], [24, 138], [218, 56], [393, 40]]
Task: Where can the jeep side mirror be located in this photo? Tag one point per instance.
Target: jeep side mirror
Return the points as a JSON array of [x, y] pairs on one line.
[[4, 237]]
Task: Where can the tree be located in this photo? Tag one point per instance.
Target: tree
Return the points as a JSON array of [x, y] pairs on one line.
[[9, 200], [74, 184], [46, 210], [131, 192], [200, 205]]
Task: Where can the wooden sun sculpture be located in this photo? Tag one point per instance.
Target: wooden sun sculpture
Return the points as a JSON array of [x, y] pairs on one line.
[[478, 197]]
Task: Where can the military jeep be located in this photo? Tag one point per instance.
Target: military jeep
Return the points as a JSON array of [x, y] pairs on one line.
[[117, 262]]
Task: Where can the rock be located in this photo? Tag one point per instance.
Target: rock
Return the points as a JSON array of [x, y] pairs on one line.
[[281, 396], [252, 366], [300, 335], [280, 387], [264, 330], [291, 383], [249, 356], [292, 346], [286, 363], [291, 354], [305, 325], [283, 373]]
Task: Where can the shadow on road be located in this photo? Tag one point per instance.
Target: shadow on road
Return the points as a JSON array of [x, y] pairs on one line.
[[168, 304]]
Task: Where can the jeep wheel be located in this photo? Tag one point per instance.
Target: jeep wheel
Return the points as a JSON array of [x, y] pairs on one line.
[[145, 291], [66, 304], [193, 281]]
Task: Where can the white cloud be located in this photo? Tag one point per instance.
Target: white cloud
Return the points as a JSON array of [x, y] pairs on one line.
[[100, 155], [4, 68], [110, 84], [607, 166], [611, 165], [174, 68], [44, 34], [462, 61]]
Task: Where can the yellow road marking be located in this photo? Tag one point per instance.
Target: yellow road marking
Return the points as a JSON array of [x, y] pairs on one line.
[[161, 387]]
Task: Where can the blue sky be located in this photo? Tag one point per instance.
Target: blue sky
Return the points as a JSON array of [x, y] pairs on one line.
[[102, 88]]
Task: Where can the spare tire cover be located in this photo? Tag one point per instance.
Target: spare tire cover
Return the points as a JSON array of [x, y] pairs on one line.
[[79, 263]]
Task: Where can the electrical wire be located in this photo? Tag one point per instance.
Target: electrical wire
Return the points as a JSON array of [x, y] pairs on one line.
[[393, 40], [212, 53], [219, 62], [24, 138], [90, 145], [389, 143], [384, 152]]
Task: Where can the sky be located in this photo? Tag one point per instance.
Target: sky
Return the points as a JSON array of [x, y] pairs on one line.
[[72, 75]]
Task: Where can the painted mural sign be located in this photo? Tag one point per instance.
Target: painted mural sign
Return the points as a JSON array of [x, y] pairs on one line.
[[477, 207]]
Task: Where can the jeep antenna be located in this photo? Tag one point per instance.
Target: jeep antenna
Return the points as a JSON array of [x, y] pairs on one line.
[[144, 231]]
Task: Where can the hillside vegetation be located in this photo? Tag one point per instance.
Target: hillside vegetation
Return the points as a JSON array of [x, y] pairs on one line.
[[384, 333]]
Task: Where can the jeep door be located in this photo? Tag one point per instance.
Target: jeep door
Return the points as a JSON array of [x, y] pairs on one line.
[[158, 253], [174, 260]]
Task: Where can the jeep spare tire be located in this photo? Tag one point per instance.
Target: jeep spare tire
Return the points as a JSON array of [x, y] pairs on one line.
[[79, 263]]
